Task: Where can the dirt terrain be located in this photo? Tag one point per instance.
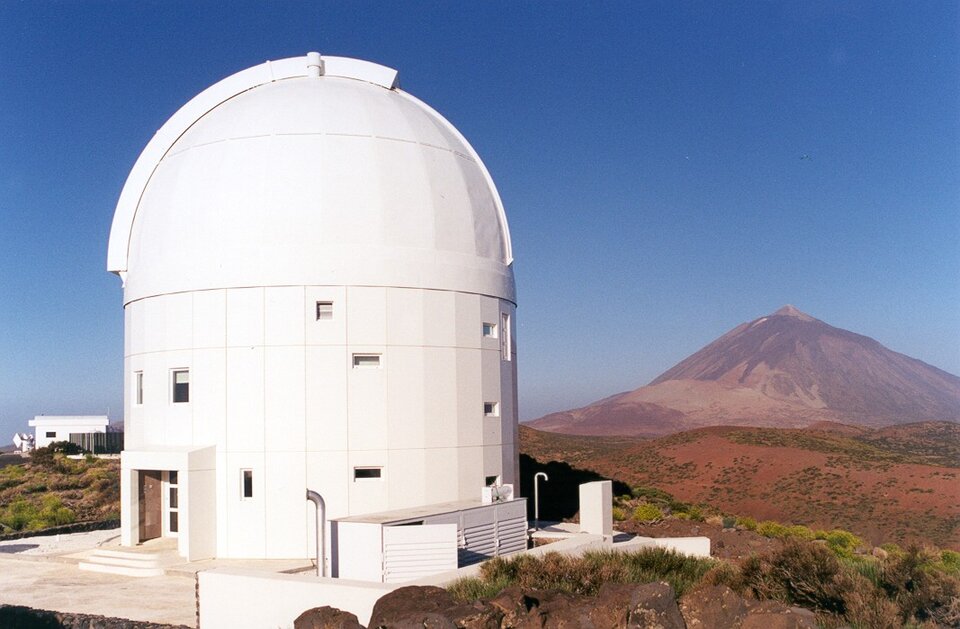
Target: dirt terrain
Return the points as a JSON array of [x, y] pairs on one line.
[[898, 484]]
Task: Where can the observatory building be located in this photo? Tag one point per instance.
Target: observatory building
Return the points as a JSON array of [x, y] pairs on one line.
[[318, 295]]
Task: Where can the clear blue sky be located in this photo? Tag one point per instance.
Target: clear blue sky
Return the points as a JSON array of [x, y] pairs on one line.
[[650, 156]]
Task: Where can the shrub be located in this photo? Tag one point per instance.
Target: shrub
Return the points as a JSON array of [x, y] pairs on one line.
[[748, 523], [647, 513], [769, 528], [843, 543], [22, 514], [892, 549], [920, 589], [798, 531], [472, 589], [584, 575], [619, 514], [652, 494], [800, 573], [950, 560], [728, 522], [47, 457]]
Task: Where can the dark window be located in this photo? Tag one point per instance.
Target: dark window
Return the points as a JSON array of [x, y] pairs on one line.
[[248, 483], [366, 472], [173, 478], [173, 497], [490, 481], [51, 434], [174, 522], [324, 310], [181, 386], [366, 361], [139, 385]]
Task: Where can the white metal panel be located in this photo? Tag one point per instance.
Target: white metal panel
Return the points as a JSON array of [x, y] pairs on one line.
[[410, 552], [478, 536], [511, 526]]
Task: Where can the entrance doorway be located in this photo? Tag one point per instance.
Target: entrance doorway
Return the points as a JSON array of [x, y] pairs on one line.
[[150, 505]]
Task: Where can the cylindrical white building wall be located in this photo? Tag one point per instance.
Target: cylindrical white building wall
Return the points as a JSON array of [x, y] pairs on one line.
[[326, 262]]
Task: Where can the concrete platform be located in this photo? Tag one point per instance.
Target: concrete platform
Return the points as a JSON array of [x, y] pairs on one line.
[[44, 573]]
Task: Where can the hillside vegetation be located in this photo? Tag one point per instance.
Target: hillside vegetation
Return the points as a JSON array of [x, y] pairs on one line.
[[899, 484], [49, 489]]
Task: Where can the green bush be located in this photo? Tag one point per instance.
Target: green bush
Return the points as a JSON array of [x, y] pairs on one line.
[[748, 523], [728, 522], [922, 591], [22, 514], [798, 531], [843, 543], [584, 575], [801, 574], [647, 513], [950, 562], [619, 514], [652, 494], [769, 528]]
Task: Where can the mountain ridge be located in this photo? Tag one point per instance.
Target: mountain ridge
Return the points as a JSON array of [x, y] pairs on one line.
[[785, 369]]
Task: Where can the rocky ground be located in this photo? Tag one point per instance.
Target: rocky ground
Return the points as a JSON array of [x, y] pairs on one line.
[[651, 605]]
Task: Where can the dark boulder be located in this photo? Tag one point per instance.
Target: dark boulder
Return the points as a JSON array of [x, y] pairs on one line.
[[715, 606], [776, 615], [412, 604], [326, 618]]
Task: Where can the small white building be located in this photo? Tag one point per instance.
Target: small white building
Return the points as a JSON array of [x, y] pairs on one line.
[[318, 295], [51, 428]]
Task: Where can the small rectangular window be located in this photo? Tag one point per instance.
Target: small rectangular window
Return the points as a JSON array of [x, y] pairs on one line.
[[491, 481], [51, 435], [490, 409], [324, 310], [490, 330], [366, 472], [361, 361], [246, 482], [505, 348], [138, 386], [174, 521], [174, 494], [181, 386]]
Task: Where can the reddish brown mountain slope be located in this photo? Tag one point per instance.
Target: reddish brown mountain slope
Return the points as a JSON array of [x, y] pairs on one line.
[[786, 369], [899, 484]]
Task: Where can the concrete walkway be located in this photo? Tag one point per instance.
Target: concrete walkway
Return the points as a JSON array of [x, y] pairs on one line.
[[63, 587], [41, 572]]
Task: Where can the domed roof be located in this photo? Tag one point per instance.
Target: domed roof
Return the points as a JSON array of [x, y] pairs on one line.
[[309, 171]]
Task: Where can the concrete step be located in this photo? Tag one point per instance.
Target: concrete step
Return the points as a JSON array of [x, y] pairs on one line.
[[121, 570], [130, 564], [126, 554]]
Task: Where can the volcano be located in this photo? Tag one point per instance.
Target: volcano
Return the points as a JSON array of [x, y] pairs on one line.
[[786, 369]]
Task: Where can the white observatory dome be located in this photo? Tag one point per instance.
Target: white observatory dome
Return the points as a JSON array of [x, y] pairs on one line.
[[280, 176], [318, 295]]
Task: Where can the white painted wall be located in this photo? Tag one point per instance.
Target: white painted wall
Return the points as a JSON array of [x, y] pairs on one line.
[[596, 508], [62, 425], [276, 600]]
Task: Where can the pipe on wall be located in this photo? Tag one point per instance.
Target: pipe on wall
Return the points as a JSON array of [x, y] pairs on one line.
[[321, 526]]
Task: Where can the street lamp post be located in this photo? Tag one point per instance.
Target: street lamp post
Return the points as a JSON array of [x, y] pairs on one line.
[[536, 498]]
